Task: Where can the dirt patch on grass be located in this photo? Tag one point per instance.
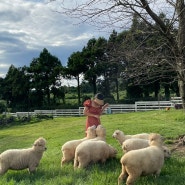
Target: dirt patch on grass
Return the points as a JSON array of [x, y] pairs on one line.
[[177, 146]]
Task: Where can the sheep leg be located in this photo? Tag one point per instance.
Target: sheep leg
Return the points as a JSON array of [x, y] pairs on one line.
[[82, 164], [3, 170], [158, 172], [76, 163], [32, 169], [64, 160], [131, 179], [67, 156], [122, 176]]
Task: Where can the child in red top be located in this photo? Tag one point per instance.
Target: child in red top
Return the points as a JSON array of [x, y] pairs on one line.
[[93, 110]]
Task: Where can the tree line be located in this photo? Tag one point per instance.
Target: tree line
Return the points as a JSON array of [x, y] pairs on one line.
[[137, 60]]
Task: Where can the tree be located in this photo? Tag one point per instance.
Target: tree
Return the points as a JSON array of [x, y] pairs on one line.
[[16, 88], [117, 13], [75, 68], [116, 61], [94, 59], [45, 73]]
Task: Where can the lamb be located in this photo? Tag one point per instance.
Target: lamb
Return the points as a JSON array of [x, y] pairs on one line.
[[100, 133], [68, 148], [92, 151], [121, 137], [136, 143], [167, 152], [143, 161], [19, 159]]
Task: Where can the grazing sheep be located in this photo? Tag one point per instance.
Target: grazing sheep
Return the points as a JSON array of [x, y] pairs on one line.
[[19, 159], [68, 148], [167, 152], [136, 143], [143, 161], [92, 151], [121, 137]]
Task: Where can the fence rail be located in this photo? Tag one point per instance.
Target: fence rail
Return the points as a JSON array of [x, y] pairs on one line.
[[152, 105], [112, 109]]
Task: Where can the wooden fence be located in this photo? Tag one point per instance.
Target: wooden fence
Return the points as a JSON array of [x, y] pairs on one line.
[[112, 109]]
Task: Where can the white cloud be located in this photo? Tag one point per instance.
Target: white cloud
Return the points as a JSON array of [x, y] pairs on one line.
[[28, 26]]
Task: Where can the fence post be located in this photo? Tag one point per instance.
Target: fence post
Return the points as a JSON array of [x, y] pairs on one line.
[[135, 106]]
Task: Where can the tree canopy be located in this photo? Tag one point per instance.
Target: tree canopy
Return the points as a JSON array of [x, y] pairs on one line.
[[106, 14]]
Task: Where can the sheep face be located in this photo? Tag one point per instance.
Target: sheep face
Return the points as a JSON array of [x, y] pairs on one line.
[[112, 151], [167, 152], [100, 131], [117, 133], [40, 145], [91, 132], [155, 140]]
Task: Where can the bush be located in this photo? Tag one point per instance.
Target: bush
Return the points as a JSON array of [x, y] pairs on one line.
[[2, 107]]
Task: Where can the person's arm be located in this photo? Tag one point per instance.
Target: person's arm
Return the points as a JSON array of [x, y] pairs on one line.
[[87, 113], [104, 107]]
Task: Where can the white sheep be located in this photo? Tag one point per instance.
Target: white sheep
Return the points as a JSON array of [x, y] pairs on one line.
[[93, 151], [121, 137], [68, 148], [19, 159], [167, 152], [100, 133], [143, 161], [136, 143]]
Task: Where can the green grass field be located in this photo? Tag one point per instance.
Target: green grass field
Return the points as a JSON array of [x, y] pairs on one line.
[[170, 124]]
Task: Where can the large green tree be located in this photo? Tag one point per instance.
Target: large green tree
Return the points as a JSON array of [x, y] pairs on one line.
[[94, 60], [16, 88], [45, 72], [75, 68]]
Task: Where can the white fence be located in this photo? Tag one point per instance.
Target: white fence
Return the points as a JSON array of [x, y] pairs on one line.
[[112, 109], [152, 105]]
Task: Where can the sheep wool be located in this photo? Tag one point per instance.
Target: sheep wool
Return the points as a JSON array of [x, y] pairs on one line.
[[19, 159], [100, 134], [121, 137], [136, 143], [93, 151], [68, 148], [143, 161]]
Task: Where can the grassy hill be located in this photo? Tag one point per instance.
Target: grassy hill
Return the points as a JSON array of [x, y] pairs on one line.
[[170, 124]]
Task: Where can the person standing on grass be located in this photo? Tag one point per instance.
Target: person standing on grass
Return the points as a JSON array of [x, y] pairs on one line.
[[93, 109]]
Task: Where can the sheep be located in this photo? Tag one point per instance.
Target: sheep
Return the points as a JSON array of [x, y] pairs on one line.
[[121, 137], [167, 152], [100, 133], [19, 159], [68, 148], [92, 151], [143, 161], [136, 143]]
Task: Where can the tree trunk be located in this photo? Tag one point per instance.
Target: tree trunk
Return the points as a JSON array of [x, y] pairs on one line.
[[117, 89], [167, 92], [94, 85], [181, 48], [78, 89]]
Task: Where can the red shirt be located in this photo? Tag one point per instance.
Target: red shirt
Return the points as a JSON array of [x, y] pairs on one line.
[[90, 121]]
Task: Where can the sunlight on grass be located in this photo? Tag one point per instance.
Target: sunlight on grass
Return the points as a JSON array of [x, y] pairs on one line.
[[170, 124]]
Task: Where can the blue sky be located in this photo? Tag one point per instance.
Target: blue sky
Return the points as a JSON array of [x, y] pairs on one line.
[[28, 26]]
